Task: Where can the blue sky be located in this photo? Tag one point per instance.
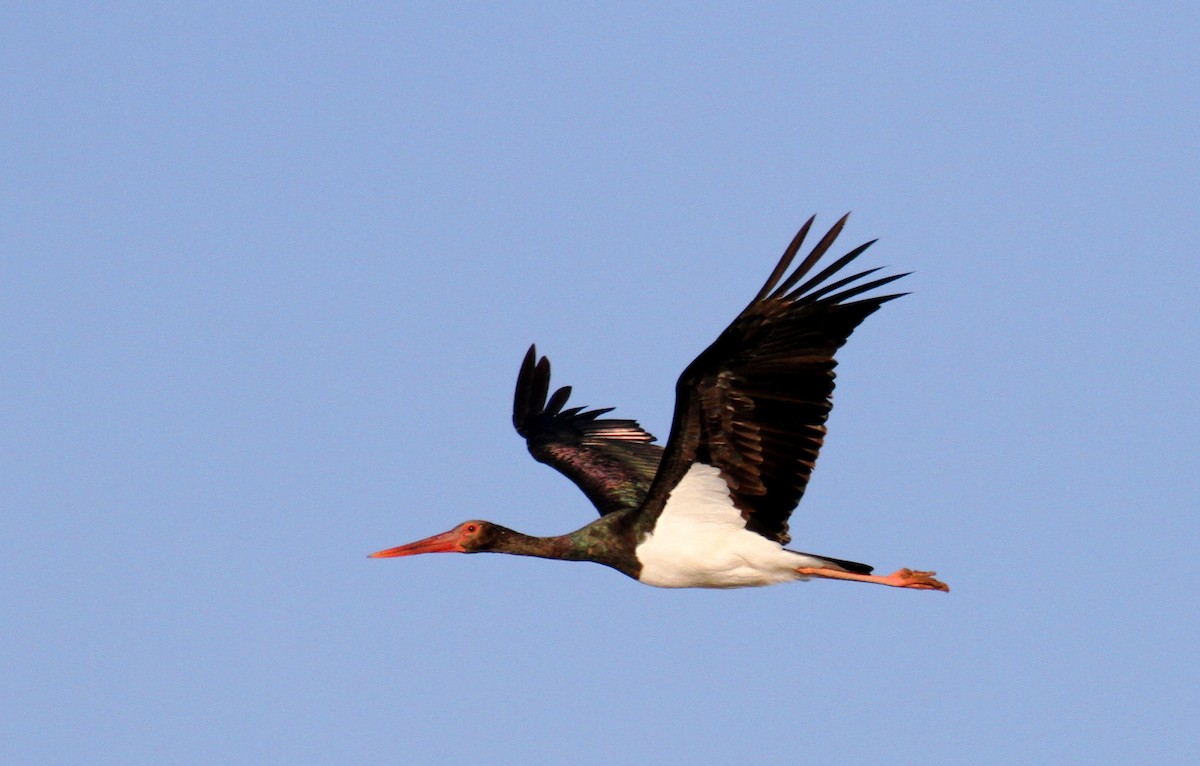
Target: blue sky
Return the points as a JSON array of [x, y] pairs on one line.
[[268, 273]]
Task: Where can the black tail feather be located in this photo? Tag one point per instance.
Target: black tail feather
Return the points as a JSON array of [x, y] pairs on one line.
[[849, 566]]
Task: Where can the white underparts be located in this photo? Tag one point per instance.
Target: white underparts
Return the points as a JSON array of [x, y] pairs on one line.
[[701, 541]]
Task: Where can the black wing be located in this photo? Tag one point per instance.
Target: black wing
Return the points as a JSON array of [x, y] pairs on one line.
[[754, 403], [611, 460]]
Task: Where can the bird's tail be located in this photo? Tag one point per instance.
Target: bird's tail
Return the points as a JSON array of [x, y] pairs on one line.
[[849, 566]]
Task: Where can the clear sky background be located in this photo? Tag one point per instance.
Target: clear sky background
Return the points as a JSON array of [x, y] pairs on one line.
[[269, 271]]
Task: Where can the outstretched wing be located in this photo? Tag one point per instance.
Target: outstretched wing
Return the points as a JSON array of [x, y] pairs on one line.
[[754, 403], [611, 460]]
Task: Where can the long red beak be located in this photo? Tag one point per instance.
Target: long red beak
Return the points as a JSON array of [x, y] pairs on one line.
[[446, 542]]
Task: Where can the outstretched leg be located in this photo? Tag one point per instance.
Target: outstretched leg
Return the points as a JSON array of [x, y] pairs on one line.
[[901, 578]]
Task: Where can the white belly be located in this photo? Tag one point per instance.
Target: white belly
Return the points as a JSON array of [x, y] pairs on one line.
[[701, 541]]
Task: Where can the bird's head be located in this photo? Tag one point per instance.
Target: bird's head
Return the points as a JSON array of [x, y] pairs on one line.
[[467, 537]]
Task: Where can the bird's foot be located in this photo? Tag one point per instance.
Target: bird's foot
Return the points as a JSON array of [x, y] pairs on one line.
[[907, 578]]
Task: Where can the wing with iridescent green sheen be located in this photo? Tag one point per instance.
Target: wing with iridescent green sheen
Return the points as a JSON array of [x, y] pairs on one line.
[[611, 460]]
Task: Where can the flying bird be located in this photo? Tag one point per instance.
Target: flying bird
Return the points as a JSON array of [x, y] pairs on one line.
[[711, 508]]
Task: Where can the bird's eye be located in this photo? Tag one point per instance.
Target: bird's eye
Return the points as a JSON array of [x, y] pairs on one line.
[[472, 527]]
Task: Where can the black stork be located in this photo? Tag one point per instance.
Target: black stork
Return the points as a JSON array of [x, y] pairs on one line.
[[710, 510]]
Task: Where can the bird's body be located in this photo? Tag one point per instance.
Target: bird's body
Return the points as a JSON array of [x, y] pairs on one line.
[[709, 510], [701, 541]]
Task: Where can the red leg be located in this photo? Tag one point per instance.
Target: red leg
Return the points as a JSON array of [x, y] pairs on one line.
[[901, 578]]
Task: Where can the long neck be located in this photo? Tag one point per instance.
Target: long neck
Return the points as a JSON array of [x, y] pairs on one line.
[[518, 544], [600, 542]]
